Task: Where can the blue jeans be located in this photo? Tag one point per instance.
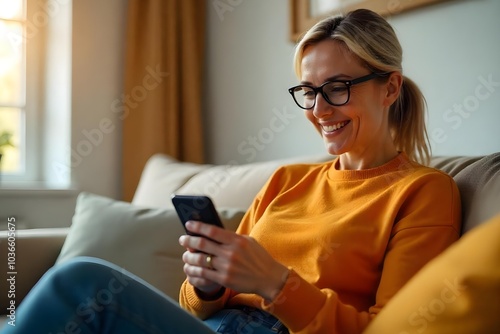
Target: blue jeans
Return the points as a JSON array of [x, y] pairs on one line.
[[88, 295], [245, 320]]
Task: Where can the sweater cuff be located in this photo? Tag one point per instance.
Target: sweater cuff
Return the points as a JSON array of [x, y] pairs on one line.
[[199, 307], [297, 304]]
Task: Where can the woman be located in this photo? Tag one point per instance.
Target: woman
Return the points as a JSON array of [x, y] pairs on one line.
[[323, 247], [330, 244]]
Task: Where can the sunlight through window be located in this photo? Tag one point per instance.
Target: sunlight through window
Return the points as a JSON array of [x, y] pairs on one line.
[[12, 85]]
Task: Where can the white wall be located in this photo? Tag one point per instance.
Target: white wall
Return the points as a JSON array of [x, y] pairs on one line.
[[449, 50], [249, 113], [98, 64]]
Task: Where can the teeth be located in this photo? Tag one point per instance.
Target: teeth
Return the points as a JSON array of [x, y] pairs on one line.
[[330, 128]]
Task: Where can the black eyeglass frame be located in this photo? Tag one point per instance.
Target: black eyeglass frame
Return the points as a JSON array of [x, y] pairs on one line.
[[348, 83]]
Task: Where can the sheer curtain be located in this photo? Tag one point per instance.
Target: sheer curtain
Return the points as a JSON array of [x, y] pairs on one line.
[[163, 75]]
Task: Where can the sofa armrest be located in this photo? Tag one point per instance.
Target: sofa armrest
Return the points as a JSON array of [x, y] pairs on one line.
[[36, 251]]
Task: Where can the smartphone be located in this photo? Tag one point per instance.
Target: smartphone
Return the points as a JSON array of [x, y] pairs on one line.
[[196, 207]]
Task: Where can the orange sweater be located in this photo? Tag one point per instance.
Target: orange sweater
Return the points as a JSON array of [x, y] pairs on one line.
[[352, 239]]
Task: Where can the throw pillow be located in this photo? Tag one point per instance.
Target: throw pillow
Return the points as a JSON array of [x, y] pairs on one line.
[[457, 292], [142, 240]]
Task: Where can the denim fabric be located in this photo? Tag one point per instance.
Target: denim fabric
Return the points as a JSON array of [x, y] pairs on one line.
[[245, 320], [87, 295]]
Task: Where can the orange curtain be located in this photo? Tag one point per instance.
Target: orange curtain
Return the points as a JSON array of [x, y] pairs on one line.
[[161, 106]]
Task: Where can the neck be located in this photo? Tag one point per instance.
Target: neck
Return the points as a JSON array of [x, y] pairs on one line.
[[366, 160]]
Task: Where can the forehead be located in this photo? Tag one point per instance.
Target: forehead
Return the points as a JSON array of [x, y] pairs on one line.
[[328, 58]]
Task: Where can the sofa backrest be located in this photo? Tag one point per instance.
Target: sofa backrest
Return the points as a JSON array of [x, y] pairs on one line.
[[235, 186], [229, 186], [478, 180]]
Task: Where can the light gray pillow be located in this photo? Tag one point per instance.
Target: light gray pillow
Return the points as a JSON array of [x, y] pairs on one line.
[[142, 240]]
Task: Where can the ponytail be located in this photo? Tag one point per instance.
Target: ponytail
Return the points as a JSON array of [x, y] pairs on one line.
[[407, 122]]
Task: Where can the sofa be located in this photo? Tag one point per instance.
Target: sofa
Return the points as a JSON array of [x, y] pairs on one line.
[[142, 236]]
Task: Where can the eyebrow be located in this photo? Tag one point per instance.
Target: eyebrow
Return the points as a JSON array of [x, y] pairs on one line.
[[333, 78]]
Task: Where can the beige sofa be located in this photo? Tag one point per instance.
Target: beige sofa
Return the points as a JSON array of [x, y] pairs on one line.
[[142, 236]]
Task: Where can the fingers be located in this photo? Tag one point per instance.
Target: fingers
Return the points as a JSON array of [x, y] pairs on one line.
[[198, 245], [212, 232], [196, 276], [207, 237], [198, 259], [200, 272]]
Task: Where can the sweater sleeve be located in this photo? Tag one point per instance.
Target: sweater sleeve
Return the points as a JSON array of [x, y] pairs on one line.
[[306, 309], [429, 221], [423, 229], [189, 300]]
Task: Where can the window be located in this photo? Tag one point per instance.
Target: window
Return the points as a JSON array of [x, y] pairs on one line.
[[13, 84], [35, 91]]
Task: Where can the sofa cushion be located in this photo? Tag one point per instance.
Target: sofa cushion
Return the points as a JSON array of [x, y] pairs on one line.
[[36, 251], [452, 165], [457, 292], [161, 177], [142, 240], [230, 185], [479, 185]]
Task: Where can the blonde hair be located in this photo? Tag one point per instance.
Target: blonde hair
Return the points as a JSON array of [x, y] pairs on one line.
[[372, 39]]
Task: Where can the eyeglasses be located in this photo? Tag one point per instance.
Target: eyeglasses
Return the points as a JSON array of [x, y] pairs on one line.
[[336, 92]]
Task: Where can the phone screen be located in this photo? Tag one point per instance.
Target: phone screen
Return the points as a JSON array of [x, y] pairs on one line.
[[196, 207]]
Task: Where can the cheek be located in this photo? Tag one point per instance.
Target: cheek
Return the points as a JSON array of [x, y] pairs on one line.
[[364, 111], [370, 122]]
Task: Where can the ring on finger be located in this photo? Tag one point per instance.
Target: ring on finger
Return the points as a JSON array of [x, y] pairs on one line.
[[209, 261]]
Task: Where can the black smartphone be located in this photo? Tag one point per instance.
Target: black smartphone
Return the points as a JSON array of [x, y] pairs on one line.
[[196, 207]]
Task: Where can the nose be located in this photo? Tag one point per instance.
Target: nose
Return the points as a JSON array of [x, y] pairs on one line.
[[322, 107]]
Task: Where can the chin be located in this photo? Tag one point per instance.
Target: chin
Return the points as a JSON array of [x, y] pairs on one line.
[[333, 149]]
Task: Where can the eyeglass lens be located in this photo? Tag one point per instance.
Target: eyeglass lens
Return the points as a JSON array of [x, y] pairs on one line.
[[336, 93]]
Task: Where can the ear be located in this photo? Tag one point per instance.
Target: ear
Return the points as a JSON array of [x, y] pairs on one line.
[[393, 88]]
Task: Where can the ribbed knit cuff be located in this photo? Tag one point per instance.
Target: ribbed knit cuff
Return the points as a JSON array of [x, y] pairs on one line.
[[200, 307], [297, 304]]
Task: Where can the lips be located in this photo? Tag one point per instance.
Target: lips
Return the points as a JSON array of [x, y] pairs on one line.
[[333, 127]]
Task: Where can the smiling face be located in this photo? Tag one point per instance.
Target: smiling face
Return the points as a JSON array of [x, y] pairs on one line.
[[358, 130]]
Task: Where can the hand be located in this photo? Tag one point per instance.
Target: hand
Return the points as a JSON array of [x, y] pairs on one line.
[[238, 262]]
